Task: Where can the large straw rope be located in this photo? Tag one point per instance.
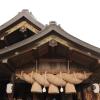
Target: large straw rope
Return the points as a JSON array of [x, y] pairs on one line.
[[53, 79], [71, 78], [41, 79], [83, 76], [58, 80]]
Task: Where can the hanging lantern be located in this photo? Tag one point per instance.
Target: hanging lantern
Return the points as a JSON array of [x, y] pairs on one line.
[[53, 89], [9, 88], [36, 87], [70, 88]]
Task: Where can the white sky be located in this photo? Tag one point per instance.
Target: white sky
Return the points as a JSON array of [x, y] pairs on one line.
[[81, 18]]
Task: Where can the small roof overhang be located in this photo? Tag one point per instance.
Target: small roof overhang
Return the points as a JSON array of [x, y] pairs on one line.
[[24, 13]]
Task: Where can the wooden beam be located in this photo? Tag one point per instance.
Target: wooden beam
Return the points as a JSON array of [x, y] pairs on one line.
[[47, 39], [5, 70], [63, 42], [11, 66], [20, 25], [95, 66]]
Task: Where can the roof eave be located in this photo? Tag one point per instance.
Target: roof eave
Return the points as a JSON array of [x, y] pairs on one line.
[[27, 15]]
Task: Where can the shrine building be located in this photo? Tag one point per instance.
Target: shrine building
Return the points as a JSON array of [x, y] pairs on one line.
[[44, 62]]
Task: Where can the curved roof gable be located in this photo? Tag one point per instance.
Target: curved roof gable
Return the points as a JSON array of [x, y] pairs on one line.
[[62, 32], [24, 13], [44, 32]]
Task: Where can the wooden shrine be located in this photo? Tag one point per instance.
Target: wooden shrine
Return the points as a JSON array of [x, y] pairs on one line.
[[43, 62]]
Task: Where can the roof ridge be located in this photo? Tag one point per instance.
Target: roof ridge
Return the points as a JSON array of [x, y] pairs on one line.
[[24, 13]]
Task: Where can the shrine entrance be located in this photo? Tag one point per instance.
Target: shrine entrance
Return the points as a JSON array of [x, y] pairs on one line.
[[22, 92], [61, 97], [49, 97]]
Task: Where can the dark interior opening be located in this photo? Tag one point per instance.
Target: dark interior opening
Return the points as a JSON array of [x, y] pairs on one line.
[[17, 36]]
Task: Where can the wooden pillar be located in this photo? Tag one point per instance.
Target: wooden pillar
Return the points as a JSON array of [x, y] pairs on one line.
[[84, 94], [35, 97], [67, 97], [98, 96], [89, 95], [39, 96], [10, 97], [79, 95]]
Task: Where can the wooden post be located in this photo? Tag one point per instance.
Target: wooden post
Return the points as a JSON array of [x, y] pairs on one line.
[[79, 95], [10, 97], [35, 96], [98, 96]]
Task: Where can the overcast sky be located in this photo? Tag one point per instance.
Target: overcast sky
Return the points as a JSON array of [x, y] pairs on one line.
[[80, 18]]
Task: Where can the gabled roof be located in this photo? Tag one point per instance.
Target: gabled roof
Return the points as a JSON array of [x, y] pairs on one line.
[[46, 31], [24, 13]]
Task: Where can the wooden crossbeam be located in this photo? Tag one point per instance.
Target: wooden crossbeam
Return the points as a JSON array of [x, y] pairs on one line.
[[57, 39], [63, 42]]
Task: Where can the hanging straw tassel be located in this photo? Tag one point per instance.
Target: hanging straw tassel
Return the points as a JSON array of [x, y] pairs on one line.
[[55, 80], [70, 88], [36, 87], [41, 79], [53, 89]]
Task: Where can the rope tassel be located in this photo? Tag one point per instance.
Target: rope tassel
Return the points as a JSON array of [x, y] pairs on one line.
[[53, 89], [70, 88], [36, 87]]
